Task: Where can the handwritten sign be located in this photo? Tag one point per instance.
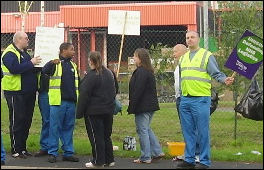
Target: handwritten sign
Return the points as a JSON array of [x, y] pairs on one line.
[[116, 21], [247, 56], [47, 43]]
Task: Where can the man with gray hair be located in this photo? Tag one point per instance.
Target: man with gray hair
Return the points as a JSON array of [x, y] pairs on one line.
[[20, 85]]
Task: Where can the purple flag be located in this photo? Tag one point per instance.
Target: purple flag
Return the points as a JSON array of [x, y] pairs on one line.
[[247, 56]]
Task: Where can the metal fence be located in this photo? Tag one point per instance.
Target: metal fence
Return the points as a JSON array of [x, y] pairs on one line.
[[85, 40]]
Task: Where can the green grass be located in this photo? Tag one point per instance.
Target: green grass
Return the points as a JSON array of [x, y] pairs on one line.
[[166, 126]]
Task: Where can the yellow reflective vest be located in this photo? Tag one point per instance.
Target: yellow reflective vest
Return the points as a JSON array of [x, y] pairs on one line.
[[55, 84], [195, 81], [11, 82]]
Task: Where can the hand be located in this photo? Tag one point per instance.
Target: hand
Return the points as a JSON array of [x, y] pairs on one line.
[[55, 61], [36, 60], [229, 81]]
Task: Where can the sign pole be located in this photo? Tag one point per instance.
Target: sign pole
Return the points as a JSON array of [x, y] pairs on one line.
[[121, 46]]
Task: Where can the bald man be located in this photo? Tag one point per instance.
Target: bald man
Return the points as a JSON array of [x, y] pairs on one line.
[[178, 51], [197, 68], [20, 85]]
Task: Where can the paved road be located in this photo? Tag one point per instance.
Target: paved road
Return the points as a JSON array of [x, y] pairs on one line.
[[121, 163]]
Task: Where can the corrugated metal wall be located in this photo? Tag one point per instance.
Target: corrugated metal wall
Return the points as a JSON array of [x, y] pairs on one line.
[[11, 22], [12, 6], [172, 13]]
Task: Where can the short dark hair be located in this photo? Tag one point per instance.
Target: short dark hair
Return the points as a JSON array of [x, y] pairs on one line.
[[64, 46]]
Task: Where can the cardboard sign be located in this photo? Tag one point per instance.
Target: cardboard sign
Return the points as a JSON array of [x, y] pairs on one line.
[[47, 43], [247, 56], [116, 22]]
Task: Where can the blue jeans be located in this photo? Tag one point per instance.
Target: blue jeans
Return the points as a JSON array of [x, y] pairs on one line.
[[178, 101], [149, 144], [62, 120], [44, 107], [3, 153], [195, 118]]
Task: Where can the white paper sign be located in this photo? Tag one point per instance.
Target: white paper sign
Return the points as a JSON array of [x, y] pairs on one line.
[[116, 21], [47, 43]]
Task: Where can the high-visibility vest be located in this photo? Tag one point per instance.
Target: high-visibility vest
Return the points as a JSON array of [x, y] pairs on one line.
[[55, 84], [195, 81], [11, 82]]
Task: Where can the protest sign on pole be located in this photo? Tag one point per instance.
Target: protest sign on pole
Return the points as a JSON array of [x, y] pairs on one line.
[[247, 56], [47, 43], [123, 23]]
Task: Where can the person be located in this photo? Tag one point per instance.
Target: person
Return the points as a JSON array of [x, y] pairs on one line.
[[44, 107], [178, 51], [20, 85], [143, 102], [197, 66], [3, 153], [63, 94], [96, 105]]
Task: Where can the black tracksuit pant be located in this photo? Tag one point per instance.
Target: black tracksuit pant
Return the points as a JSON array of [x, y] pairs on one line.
[[99, 130], [21, 108]]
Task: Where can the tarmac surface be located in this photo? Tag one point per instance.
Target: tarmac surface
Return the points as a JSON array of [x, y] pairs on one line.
[[121, 163]]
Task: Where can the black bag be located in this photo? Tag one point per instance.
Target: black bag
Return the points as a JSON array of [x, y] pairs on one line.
[[214, 101], [251, 105]]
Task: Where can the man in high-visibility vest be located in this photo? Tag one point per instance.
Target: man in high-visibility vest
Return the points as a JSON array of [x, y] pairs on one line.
[[3, 153], [20, 85], [63, 95], [197, 66]]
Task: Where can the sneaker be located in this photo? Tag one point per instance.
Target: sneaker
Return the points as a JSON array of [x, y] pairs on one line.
[[197, 159], [140, 161], [52, 159], [70, 159], [110, 164], [17, 155], [91, 165], [26, 153], [41, 153], [185, 165], [201, 166], [158, 157]]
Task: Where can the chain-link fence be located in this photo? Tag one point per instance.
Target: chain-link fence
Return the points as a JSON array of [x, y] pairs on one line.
[[224, 123]]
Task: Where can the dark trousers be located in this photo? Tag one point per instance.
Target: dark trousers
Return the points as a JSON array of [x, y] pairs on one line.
[[21, 108], [99, 130]]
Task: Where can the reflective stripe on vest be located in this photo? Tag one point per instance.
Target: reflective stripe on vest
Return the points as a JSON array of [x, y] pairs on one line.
[[195, 80], [10, 82], [55, 84]]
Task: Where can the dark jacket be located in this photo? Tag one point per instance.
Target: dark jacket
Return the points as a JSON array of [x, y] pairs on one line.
[[142, 92], [29, 81], [68, 91], [97, 94]]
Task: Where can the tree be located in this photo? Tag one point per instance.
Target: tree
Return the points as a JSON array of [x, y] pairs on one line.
[[236, 17], [24, 7]]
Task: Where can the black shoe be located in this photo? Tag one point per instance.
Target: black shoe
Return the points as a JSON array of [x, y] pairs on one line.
[[26, 153], [2, 163], [52, 159], [41, 153], [201, 166], [185, 165], [19, 155], [70, 159]]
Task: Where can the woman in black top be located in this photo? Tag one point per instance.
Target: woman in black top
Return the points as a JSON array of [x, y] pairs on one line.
[[143, 102], [96, 105]]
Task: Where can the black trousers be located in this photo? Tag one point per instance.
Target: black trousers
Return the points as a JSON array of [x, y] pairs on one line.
[[21, 108], [99, 130]]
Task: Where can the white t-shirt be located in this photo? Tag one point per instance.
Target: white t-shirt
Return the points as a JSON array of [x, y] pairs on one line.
[[177, 81]]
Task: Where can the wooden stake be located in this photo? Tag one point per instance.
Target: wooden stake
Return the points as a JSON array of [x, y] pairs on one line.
[[121, 47], [234, 74]]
